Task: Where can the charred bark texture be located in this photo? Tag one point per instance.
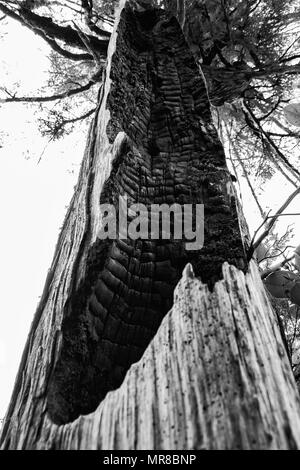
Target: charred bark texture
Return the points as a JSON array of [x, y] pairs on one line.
[[171, 154], [215, 376], [63, 33], [153, 141]]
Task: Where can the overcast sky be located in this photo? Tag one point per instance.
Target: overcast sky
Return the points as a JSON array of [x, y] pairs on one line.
[[33, 199]]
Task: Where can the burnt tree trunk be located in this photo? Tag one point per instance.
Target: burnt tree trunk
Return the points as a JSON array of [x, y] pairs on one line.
[[210, 369]]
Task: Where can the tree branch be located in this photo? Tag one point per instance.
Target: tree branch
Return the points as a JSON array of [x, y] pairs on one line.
[[64, 52], [79, 118], [86, 41], [43, 99], [52, 43], [46, 28], [276, 69], [276, 267], [281, 58], [262, 118], [87, 6], [270, 141], [254, 245], [65, 33]]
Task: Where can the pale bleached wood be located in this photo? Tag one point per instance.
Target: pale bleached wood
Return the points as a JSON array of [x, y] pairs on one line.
[[216, 376]]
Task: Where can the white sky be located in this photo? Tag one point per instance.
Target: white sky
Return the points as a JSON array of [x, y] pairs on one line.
[[33, 200]]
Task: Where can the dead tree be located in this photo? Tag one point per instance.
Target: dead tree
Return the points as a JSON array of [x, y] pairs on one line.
[[112, 361]]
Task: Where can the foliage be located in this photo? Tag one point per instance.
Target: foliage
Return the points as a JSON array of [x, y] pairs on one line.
[[71, 32], [249, 51]]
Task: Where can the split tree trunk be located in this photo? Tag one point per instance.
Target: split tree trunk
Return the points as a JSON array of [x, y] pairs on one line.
[[216, 374]]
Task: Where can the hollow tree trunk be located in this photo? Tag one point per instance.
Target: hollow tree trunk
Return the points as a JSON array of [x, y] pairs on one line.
[[214, 373]]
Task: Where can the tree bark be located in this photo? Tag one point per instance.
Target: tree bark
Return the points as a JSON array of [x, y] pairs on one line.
[[215, 376], [152, 141]]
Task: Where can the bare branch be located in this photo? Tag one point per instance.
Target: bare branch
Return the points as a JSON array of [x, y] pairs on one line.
[[262, 118], [64, 52], [86, 41], [277, 266], [270, 141], [79, 118], [281, 58], [254, 245], [87, 6], [43, 99]]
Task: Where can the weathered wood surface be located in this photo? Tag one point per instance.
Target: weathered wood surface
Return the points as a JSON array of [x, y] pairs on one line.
[[152, 140], [215, 376]]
